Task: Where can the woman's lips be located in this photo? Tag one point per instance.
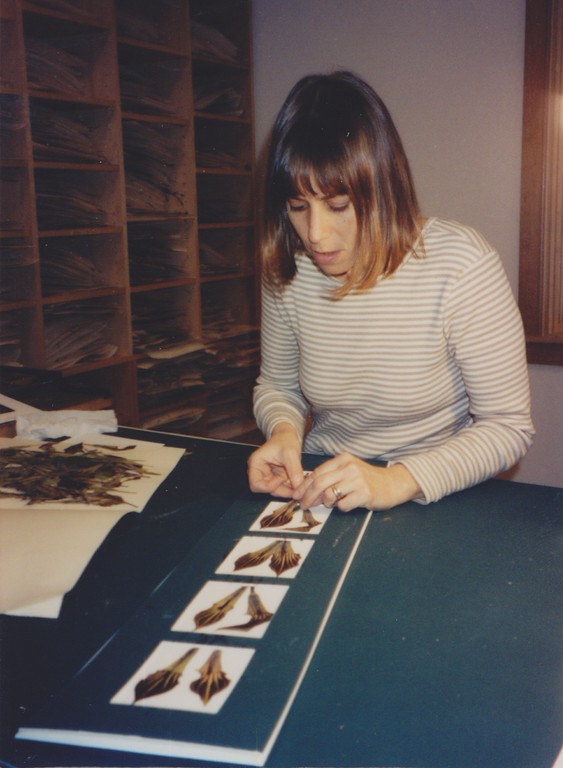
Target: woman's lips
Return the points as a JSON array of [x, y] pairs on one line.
[[325, 257]]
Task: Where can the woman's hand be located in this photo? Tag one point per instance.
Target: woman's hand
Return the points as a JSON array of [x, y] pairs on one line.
[[347, 482], [276, 466]]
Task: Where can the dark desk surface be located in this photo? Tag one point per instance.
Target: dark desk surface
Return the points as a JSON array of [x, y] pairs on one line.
[[444, 649]]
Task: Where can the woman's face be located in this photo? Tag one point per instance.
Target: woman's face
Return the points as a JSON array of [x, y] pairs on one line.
[[328, 229]]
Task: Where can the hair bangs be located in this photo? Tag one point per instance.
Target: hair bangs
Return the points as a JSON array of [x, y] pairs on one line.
[[309, 169]]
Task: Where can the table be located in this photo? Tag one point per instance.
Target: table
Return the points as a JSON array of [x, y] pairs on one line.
[[444, 649]]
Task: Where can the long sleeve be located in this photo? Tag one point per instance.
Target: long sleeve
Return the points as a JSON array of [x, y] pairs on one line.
[[485, 336]]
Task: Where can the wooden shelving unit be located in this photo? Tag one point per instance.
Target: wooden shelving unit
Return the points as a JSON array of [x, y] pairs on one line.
[[127, 227]]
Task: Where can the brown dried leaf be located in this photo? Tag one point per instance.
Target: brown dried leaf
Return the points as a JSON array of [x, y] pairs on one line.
[[218, 610], [309, 522], [284, 557], [280, 516], [212, 680], [256, 610], [257, 557], [164, 679]]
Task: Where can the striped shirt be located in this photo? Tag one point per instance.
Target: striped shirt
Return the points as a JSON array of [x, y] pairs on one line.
[[427, 368]]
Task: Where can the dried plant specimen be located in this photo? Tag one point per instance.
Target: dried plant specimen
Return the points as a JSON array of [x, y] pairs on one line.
[[309, 522], [256, 610], [284, 557], [212, 678], [257, 557], [218, 610], [78, 474], [280, 516], [164, 679]]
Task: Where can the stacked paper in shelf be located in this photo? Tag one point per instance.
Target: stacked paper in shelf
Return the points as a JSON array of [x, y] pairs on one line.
[[157, 251], [64, 135], [151, 159], [148, 87], [209, 42], [75, 333], [45, 545], [63, 268]]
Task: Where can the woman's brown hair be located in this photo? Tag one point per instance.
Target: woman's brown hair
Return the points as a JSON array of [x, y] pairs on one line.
[[335, 132]]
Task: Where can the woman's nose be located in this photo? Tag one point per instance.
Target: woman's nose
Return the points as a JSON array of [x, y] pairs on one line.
[[317, 225]]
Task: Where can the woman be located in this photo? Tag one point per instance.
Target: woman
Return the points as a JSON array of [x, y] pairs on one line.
[[384, 335]]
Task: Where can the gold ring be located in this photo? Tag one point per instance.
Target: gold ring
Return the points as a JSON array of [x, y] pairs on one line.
[[337, 492]]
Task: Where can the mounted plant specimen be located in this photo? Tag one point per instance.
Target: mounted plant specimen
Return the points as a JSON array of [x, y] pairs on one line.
[[76, 474], [212, 678], [290, 516], [218, 610], [248, 614], [256, 610], [163, 680], [281, 553]]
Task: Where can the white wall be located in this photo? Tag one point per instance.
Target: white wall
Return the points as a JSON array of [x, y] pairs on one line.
[[450, 72]]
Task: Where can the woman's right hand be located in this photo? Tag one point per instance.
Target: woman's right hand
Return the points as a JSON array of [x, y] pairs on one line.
[[275, 467]]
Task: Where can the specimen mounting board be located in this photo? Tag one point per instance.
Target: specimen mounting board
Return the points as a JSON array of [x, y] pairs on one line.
[[190, 677]]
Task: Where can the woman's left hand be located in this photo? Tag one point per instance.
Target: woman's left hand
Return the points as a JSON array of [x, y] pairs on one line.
[[348, 482]]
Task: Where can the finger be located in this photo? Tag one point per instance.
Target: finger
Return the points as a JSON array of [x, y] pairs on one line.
[[320, 490]]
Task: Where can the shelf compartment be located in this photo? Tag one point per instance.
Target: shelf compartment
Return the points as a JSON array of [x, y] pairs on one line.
[[228, 309], [229, 411], [163, 23], [81, 263], [86, 331], [19, 332], [223, 145], [226, 251], [153, 83], [220, 91], [69, 60], [165, 322], [220, 31], [18, 270], [63, 132], [223, 198], [155, 155], [172, 397], [14, 200], [12, 129], [161, 251], [74, 200]]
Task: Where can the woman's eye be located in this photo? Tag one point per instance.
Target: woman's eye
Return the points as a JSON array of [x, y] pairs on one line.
[[340, 207], [295, 206]]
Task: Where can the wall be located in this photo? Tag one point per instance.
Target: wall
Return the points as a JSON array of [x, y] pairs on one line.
[[450, 72]]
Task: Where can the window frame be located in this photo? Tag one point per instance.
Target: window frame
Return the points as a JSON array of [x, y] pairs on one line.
[[541, 251]]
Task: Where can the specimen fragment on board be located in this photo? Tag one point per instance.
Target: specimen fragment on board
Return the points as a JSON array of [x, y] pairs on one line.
[[280, 516], [256, 610], [259, 556], [308, 521], [284, 557], [163, 680], [212, 678], [218, 610]]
